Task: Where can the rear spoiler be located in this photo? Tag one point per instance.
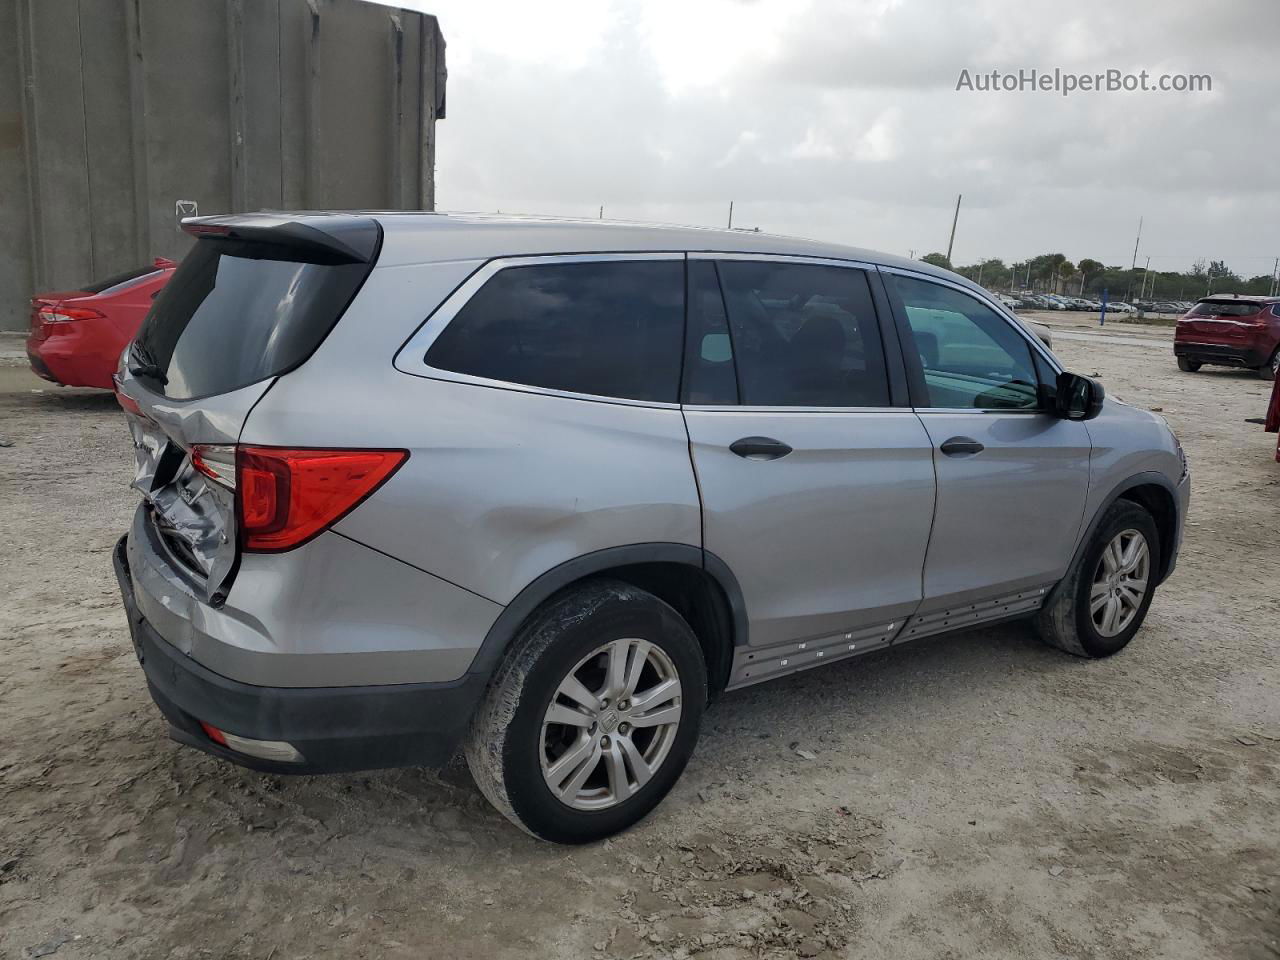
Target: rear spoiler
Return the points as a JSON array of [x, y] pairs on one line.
[[334, 238]]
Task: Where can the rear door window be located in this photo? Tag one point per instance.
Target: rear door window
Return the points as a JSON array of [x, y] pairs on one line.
[[802, 335], [237, 312], [608, 328]]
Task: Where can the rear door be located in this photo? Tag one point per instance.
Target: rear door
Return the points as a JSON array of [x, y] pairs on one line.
[[817, 489], [1012, 477], [251, 301]]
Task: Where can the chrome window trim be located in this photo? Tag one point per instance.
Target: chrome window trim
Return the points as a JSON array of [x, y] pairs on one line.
[[783, 258], [733, 408], [411, 358]]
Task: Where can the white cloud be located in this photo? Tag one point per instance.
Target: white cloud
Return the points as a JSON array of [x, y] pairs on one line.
[[840, 120]]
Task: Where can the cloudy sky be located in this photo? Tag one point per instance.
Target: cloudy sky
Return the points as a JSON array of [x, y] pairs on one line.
[[841, 121]]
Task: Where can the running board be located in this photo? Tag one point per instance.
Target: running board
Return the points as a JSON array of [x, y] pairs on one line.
[[753, 665]]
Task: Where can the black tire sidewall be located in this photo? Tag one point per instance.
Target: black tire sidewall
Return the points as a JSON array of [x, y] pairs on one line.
[[641, 615], [1122, 516], [1268, 370]]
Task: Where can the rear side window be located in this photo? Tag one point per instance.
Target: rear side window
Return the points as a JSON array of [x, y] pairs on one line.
[[803, 335], [608, 328], [238, 312], [1225, 308]]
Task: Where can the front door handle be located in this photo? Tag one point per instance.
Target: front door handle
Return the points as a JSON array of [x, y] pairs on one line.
[[760, 448], [959, 446]]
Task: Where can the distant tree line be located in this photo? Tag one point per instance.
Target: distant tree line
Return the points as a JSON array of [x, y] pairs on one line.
[[1054, 273]]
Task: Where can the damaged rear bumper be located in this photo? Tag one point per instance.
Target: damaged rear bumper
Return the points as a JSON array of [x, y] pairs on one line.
[[333, 728]]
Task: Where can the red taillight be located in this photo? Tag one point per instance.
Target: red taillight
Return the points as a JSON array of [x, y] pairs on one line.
[[63, 314], [285, 497]]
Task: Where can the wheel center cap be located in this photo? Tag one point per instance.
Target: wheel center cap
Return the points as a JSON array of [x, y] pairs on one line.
[[608, 720]]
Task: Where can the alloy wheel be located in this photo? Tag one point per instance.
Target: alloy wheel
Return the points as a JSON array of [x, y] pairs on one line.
[[610, 724], [1120, 583]]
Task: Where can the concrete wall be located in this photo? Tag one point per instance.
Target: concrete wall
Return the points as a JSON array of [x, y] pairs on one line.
[[112, 112]]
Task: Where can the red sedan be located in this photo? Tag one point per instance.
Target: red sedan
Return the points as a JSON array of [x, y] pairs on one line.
[[77, 336]]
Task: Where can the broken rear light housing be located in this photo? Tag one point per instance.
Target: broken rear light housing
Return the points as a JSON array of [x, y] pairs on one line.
[[285, 496]]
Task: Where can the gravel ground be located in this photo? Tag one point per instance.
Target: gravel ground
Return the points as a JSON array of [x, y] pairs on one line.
[[979, 795]]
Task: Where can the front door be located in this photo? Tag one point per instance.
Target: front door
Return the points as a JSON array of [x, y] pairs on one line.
[[816, 492], [1012, 477]]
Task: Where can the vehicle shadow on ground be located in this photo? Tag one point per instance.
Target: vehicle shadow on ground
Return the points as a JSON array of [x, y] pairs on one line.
[[56, 399], [827, 709]]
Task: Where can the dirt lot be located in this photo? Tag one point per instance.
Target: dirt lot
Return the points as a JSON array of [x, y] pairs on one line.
[[980, 795]]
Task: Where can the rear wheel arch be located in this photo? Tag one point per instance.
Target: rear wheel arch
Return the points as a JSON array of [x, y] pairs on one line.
[[695, 583]]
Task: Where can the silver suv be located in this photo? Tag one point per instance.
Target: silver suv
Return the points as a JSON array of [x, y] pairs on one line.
[[542, 489]]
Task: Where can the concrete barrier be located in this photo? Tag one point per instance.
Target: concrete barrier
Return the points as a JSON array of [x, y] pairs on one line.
[[119, 116]]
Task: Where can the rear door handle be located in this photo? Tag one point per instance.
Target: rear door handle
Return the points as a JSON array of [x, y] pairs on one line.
[[760, 448], [959, 446]]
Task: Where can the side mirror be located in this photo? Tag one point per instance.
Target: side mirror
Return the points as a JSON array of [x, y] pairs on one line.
[[1078, 398]]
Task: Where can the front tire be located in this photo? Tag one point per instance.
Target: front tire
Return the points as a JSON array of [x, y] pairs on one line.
[[1096, 610], [1188, 366], [592, 716]]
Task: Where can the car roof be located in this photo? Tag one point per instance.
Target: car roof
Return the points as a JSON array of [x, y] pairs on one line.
[[1231, 297], [418, 237], [491, 235]]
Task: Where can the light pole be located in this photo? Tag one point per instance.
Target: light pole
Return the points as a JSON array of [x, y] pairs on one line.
[[954, 220]]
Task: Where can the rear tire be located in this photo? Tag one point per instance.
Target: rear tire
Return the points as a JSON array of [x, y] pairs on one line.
[[582, 731], [1270, 369], [1188, 366], [1102, 602]]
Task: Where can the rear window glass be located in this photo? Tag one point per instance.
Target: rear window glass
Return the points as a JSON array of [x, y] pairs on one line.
[[235, 313], [98, 286], [608, 328], [1225, 308]]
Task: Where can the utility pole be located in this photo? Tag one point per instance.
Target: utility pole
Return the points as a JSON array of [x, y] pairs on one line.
[[951, 242], [980, 266], [730, 214], [1134, 265], [1145, 271], [1028, 274], [1275, 277], [601, 217]]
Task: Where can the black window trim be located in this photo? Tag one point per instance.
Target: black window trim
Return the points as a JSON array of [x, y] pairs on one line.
[[411, 358], [899, 400], [915, 373]]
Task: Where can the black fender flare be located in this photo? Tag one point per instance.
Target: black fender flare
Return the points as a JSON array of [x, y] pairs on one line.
[[503, 630], [1147, 478]]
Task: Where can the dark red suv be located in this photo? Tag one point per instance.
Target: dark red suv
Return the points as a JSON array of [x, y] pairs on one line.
[[1233, 331]]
